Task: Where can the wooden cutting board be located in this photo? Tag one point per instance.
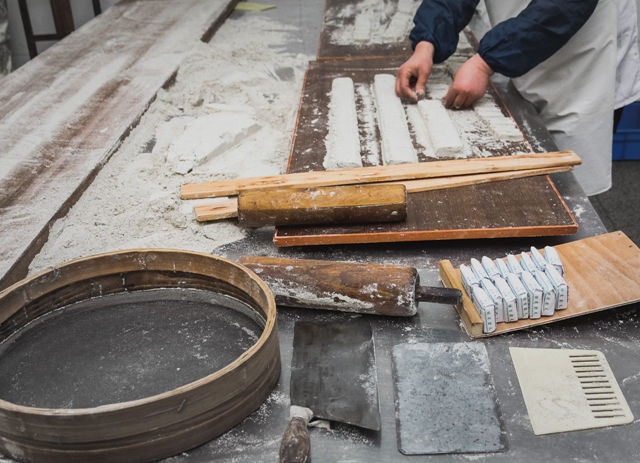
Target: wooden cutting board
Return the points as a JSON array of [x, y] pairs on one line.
[[520, 207], [603, 272]]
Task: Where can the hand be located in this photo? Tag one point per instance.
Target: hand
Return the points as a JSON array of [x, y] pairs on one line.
[[415, 69], [469, 84]]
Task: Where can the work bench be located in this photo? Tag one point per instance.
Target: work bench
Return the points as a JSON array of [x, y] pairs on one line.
[[615, 333]]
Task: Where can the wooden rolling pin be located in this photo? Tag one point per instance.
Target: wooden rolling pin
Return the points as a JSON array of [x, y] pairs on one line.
[[305, 206], [349, 287]]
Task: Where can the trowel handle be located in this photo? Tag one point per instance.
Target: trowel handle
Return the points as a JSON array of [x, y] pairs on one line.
[[295, 446], [438, 294]]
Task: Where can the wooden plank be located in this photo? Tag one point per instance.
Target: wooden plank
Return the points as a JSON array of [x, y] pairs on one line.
[[603, 272], [64, 113], [229, 208], [520, 207], [375, 174], [435, 214]]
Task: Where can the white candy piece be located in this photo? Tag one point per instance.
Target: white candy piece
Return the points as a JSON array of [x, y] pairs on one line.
[[538, 259], [561, 286], [535, 293], [514, 265], [510, 303], [469, 279], [490, 267], [478, 269], [397, 147], [503, 267], [552, 256], [549, 299], [343, 140], [444, 135], [496, 297], [527, 263], [522, 297], [485, 308]]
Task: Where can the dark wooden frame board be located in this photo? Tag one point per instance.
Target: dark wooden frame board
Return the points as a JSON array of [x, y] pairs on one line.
[[511, 208], [603, 272], [340, 15]]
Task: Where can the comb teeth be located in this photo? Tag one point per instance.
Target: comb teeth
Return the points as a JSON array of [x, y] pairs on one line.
[[596, 386]]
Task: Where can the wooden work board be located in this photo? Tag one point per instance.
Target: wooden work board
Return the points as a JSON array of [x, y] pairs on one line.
[[603, 272], [522, 207], [64, 113]]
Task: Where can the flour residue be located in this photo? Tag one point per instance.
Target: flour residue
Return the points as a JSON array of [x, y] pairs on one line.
[[230, 113]]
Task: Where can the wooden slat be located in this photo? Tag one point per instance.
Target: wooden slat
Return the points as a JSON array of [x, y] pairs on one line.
[[603, 272], [229, 209], [422, 170], [64, 113]]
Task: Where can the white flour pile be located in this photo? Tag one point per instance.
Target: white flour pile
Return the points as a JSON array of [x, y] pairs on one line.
[[230, 114]]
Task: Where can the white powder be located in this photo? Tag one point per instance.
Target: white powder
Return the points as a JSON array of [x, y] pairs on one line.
[[134, 201], [443, 134], [343, 140], [397, 147]]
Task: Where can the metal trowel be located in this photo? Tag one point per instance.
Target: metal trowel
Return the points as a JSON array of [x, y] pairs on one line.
[[333, 377]]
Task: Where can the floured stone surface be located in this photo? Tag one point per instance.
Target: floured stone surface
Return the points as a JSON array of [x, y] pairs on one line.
[[445, 401], [343, 141], [443, 134], [397, 146]]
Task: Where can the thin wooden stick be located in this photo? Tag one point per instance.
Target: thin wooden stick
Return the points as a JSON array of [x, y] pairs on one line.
[[391, 173], [229, 208]]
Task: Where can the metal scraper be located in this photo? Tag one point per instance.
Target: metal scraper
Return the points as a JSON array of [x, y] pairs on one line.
[[445, 402], [333, 373]]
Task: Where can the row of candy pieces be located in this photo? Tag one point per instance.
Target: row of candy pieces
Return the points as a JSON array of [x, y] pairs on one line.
[[510, 290]]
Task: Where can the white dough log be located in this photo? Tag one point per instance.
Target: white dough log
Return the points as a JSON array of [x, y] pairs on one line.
[[343, 141], [420, 130], [397, 147], [444, 135]]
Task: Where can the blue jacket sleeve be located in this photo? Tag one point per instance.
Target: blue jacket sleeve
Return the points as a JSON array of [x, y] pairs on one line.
[[440, 22], [515, 46]]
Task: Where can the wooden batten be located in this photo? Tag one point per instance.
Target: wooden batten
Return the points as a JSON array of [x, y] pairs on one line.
[[434, 169]]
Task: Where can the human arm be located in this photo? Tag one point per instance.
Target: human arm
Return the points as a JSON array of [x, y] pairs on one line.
[[515, 46]]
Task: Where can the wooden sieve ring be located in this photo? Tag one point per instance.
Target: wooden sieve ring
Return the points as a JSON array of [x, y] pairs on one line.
[[152, 427]]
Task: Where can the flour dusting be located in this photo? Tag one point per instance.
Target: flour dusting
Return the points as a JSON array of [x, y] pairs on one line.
[[230, 113]]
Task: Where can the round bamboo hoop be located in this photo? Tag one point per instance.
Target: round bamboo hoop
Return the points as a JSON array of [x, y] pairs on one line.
[[157, 426]]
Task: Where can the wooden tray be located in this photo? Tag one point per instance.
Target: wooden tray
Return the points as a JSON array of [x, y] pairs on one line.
[[603, 272], [521, 207]]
